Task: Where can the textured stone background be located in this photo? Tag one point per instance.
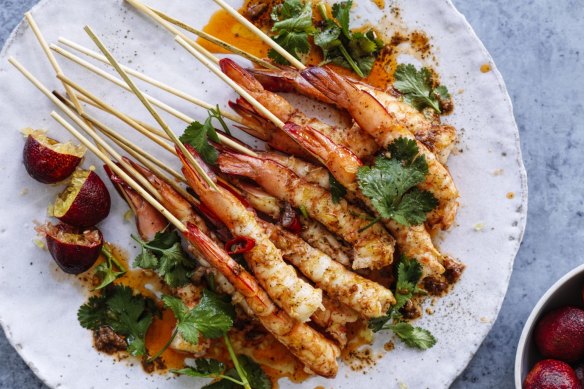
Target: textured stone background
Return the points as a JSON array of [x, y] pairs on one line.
[[538, 46]]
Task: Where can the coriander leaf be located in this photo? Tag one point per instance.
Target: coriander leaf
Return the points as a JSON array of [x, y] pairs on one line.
[[328, 37], [341, 13], [107, 275], [164, 255], [212, 317], [256, 376], [390, 184], [414, 336], [338, 191], [105, 271], [293, 25], [203, 367], [409, 273], [126, 314], [215, 113], [414, 207], [198, 135], [403, 149], [418, 89], [92, 314]]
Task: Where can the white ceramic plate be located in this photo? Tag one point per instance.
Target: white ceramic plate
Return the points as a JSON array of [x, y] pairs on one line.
[[38, 303]]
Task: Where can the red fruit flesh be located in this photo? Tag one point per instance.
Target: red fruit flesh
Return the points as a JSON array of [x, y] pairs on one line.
[[551, 374], [85, 202], [47, 160], [560, 334], [74, 251]]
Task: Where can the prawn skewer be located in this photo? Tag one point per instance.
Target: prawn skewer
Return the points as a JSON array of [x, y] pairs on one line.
[[438, 138], [413, 241], [319, 357], [382, 125], [373, 247], [354, 138], [295, 296]]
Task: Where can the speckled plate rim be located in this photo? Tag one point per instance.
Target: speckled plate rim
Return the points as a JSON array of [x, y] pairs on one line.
[[519, 160]]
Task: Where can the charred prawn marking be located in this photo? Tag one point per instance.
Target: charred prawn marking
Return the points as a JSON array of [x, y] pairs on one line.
[[382, 125], [373, 247]]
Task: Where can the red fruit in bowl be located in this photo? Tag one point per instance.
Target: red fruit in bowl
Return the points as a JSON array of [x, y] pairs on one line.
[[85, 202], [47, 160], [75, 251], [560, 334], [551, 374]]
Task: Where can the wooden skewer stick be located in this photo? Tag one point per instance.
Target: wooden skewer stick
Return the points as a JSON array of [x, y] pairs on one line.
[[149, 80], [122, 174], [44, 45], [80, 122], [123, 117], [262, 35], [154, 101], [194, 163], [52, 60], [250, 99], [144, 157], [214, 40], [102, 106], [173, 30]]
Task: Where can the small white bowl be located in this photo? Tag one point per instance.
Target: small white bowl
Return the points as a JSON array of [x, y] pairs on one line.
[[567, 291]]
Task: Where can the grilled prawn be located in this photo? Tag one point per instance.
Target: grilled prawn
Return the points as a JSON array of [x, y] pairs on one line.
[[370, 114], [413, 241], [357, 140], [438, 138], [373, 247]]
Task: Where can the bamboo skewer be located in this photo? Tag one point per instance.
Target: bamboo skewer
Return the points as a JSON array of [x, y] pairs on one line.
[[214, 40], [181, 116], [173, 30], [124, 143], [122, 116], [78, 120], [44, 45], [151, 109], [145, 78], [121, 173], [262, 35], [52, 60], [145, 158], [250, 99], [102, 106]]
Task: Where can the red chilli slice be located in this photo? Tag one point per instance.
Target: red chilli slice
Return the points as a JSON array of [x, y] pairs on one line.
[[239, 245]]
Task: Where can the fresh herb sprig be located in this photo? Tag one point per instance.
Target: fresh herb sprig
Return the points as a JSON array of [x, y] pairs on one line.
[[343, 47], [212, 318], [105, 271], [390, 184], [409, 273], [164, 255], [418, 88], [292, 25], [127, 314], [198, 134]]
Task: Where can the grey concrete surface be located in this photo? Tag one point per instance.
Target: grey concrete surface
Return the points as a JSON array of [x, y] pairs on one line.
[[538, 46]]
